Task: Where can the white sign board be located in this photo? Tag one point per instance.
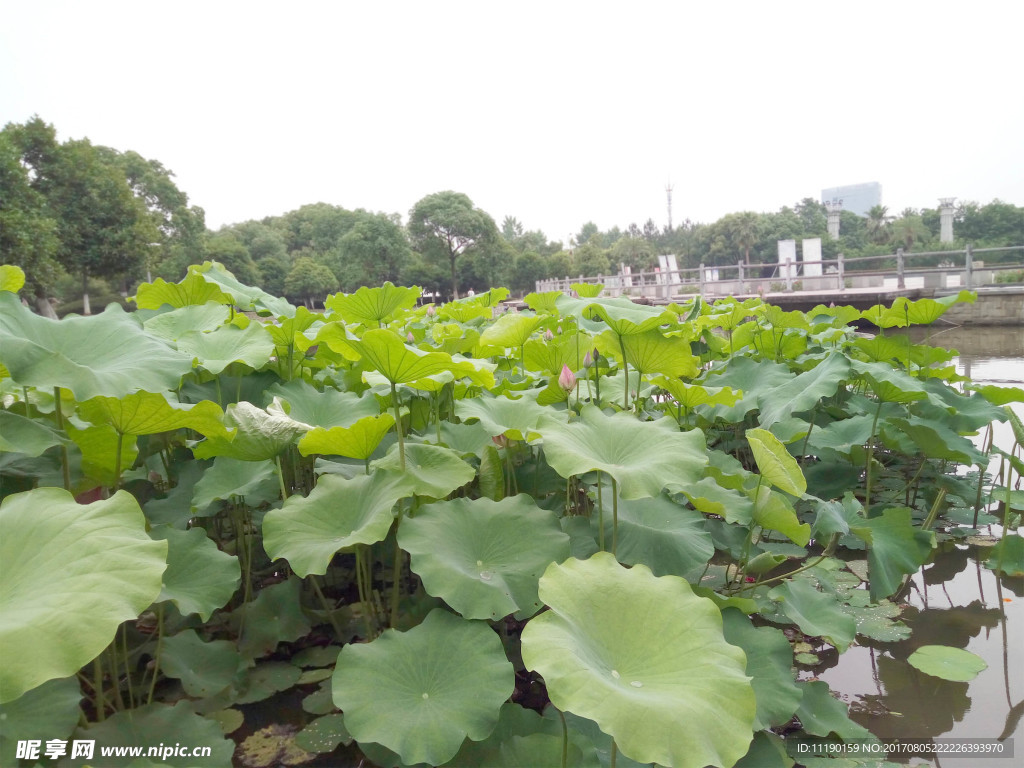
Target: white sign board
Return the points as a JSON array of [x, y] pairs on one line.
[[667, 263], [812, 252], [787, 253]]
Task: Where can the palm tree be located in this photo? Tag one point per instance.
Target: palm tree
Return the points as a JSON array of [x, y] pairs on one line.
[[908, 230], [745, 231], [879, 224]]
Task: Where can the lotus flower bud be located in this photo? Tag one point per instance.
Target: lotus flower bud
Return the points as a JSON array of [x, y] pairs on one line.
[[548, 335], [410, 338], [430, 310], [559, 330], [566, 379], [588, 360], [500, 440]]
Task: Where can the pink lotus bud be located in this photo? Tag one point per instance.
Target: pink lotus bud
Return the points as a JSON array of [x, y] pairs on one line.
[[588, 360], [548, 335], [410, 338], [500, 440], [430, 310], [566, 379], [559, 330]]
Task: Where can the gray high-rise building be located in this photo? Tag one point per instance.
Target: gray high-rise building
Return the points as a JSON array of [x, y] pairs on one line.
[[858, 198]]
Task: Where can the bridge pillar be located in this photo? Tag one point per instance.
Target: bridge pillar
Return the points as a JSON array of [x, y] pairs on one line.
[[840, 280], [901, 282], [700, 275], [790, 269], [946, 219], [968, 267], [835, 209]]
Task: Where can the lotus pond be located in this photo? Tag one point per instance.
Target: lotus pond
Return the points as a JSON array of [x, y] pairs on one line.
[[589, 532]]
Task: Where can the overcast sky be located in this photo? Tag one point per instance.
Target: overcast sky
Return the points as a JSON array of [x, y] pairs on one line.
[[555, 113]]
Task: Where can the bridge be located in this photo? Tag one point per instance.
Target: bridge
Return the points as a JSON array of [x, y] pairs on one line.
[[861, 282]]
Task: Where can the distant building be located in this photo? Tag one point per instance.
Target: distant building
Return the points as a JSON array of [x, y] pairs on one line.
[[857, 198]]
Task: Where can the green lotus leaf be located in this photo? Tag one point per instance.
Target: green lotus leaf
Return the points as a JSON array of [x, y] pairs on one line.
[[692, 395], [338, 513], [203, 668], [711, 498], [464, 439], [382, 350], [275, 616], [775, 463], [27, 436], [99, 447], [549, 356], [938, 441], [373, 307], [622, 315], [896, 548], [483, 557], [543, 301], [769, 663], [510, 330], [836, 516], [324, 734], [643, 457], [889, 384], [69, 578], [305, 404], [147, 413], [774, 511], [105, 354], [218, 349], [245, 296], [155, 724], [667, 538], [998, 395], [421, 693], [266, 679], [50, 711], [174, 324], [947, 663], [821, 714], [817, 614], [515, 419], [751, 377], [843, 436], [254, 481], [1007, 556], [259, 435], [648, 662], [768, 751], [357, 441], [805, 391], [193, 290], [917, 312], [199, 577], [491, 476], [12, 278], [430, 470], [650, 352], [876, 620]]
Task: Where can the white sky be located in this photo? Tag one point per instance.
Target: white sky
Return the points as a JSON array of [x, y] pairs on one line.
[[554, 112]]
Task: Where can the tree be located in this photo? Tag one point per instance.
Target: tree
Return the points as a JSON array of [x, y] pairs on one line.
[[511, 229], [376, 248], [743, 230], [909, 229], [529, 268], [309, 281], [590, 259], [446, 225], [635, 252], [229, 251], [878, 224]]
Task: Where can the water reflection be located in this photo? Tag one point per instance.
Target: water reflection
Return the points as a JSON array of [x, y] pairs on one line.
[[954, 601]]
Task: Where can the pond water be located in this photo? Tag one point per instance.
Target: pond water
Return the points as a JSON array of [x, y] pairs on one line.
[[954, 600]]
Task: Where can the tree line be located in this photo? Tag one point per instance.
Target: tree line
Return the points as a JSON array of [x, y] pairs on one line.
[[75, 215]]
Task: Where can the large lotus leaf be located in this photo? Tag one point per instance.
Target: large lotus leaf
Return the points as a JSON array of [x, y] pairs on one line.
[[71, 574], [938, 441], [382, 350], [947, 663], [357, 441], [821, 714], [275, 616], [254, 481], [769, 663], [1007, 556], [805, 391], [667, 538], [100, 457], [918, 312], [483, 557], [430, 470], [12, 278], [156, 724], [193, 290], [203, 668], [310, 407], [843, 436], [548, 356], [50, 711], [692, 395], [650, 352], [648, 662], [775, 463], [421, 693], [817, 614], [712, 498], [27, 436], [888, 383], [259, 435], [324, 734], [265, 679], [373, 307], [643, 457], [515, 419], [510, 330], [751, 377], [338, 513], [774, 511], [174, 324], [199, 577], [245, 296], [218, 349], [105, 354], [147, 413], [622, 315], [896, 548]]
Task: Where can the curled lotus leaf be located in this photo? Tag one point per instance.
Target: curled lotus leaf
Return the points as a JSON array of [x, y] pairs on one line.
[[373, 307]]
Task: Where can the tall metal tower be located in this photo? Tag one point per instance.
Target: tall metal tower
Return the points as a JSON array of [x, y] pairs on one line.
[[668, 194]]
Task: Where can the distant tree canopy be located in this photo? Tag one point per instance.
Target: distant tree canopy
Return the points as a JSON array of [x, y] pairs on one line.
[[73, 211]]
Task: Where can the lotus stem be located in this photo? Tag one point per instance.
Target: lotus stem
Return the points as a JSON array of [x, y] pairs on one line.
[[115, 674], [871, 454], [565, 738], [100, 702], [615, 753], [65, 466], [396, 571], [327, 608], [280, 478], [117, 461], [615, 515], [127, 665], [600, 513], [398, 426], [159, 648], [625, 370]]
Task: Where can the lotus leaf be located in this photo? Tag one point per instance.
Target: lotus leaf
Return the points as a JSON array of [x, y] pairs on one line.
[[896, 548], [947, 663], [147, 413], [324, 734], [805, 391], [266, 679], [817, 614], [821, 714], [203, 668], [421, 693], [275, 616], [12, 278], [515, 419], [483, 557], [175, 323], [1007, 556], [357, 441], [193, 290], [648, 663], [308, 406], [27, 436], [430, 470], [199, 577], [338, 513], [511, 330], [259, 435], [245, 296], [254, 481], [775, 463], [643, 457], [70, 577], [106, 354], [649, 352], [218, 349], [373, 307], [549, 356], [50, 711]]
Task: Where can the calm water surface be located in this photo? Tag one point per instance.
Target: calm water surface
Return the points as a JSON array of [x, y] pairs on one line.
[[954, 600]]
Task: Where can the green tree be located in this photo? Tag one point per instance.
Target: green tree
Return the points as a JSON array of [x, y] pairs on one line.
[[375, 249], [528, 269], [879, 225], [909, 229], [744, 231], [445, 225], [309, 282], [511, 229], [588, 231], [226, 248], [590, 259], [636, 253]]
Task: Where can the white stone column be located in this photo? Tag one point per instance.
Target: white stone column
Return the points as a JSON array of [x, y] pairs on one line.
[[946, 219], [834, 208]]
